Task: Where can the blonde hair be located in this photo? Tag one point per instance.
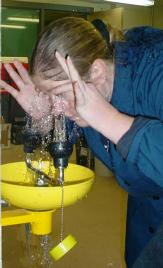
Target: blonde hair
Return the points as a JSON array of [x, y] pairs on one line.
[[73, 36]]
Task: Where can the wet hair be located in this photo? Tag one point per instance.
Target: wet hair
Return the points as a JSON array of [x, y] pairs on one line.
[[76, 37]]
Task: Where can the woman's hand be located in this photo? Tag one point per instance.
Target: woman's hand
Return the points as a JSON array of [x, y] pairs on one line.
[[92, 107], [84, 100], [89, 102], [35, 103]]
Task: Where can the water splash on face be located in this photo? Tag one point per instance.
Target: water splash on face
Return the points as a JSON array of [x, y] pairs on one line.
[[59, 133], [55, 119], [58, 105]]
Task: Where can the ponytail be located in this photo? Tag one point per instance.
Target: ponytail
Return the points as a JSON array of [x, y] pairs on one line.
[[109, 33]]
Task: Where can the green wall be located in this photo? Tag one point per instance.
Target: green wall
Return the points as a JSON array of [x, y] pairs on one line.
[[18, 42]]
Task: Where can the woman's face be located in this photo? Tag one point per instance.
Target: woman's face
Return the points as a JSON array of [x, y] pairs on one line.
[[62, 103]]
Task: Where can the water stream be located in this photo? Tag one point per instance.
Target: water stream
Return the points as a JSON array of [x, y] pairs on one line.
[[37, 250], [38, 246]]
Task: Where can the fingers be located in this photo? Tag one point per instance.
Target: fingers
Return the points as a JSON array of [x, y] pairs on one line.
[[63, 88], [73, 73], [77, 82], [69, 68], [9, 89], [78, 86], [62, 62], [15, 77], [49, 84], [23, 72], [79, 94]]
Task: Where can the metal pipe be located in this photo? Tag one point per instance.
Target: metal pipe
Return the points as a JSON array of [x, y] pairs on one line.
[[43, 179]]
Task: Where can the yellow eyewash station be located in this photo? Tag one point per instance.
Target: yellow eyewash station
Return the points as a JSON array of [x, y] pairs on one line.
[[39, 203], [36, 205], [37, 200]]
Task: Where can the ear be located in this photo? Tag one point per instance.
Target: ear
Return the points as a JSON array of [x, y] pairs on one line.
[[98, 72]]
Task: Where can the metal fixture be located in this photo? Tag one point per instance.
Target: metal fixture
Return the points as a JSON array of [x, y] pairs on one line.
[[58, 146], [60, 149], [42, 179]]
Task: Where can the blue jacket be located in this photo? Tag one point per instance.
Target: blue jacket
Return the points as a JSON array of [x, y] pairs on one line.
[[137, 160], [151, 256]]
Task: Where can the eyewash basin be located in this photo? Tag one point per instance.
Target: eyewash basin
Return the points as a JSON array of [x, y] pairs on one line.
[[14, 189]]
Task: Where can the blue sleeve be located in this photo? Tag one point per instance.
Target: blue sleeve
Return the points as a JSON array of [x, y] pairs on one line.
[[124, 143], [146, 149]]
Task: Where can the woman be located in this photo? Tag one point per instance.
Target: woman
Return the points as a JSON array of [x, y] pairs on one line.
[[114, 93]]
